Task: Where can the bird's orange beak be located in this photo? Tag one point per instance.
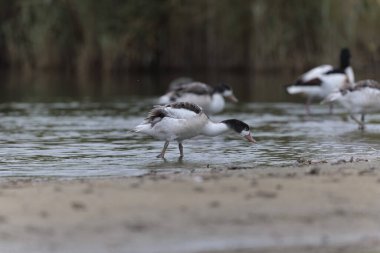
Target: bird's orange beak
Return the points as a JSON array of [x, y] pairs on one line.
[[232, 99], [249, 138]]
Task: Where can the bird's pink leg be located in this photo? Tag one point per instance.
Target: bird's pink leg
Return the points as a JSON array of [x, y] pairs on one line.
[[162, 154]]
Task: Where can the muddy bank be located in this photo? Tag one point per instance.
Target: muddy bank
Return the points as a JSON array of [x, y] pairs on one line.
[[313, 207]]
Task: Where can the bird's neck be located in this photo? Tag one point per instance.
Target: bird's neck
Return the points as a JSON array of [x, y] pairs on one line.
[[214, 129], [350, 74], [344, 62]]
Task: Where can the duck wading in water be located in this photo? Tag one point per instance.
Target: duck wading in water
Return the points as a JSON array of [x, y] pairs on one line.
[[183, 120]]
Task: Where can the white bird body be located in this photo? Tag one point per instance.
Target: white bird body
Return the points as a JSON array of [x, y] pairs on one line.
[[177, 125], [181, 121], [365, 101], [210, 99], [332, 83], [363, 98]]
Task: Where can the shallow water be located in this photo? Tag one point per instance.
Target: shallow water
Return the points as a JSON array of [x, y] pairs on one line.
[[81, 139]]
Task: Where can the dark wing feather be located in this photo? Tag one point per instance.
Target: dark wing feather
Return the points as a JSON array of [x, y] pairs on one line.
[[196, 88], [156, 115], [179, 83], [186, 105], [312, 82], [366, 84], [159, 112]]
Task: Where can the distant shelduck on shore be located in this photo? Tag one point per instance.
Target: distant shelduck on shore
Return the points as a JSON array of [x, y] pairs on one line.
[[320, 81]]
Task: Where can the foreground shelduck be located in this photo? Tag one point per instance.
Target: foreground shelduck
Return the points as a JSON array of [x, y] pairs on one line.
[[363, 98], [182, 120], [211, 99], [320, 81]]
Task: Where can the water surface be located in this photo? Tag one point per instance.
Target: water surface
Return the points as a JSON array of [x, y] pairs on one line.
[[65, 126], [80, 139]]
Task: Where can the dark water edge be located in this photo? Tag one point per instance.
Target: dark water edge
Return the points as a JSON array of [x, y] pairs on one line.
[[59, 87]]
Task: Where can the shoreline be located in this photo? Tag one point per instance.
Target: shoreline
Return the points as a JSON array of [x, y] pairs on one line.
[[313, 207]]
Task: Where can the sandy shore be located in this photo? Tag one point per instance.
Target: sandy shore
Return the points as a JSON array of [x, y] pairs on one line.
[[321, 207]]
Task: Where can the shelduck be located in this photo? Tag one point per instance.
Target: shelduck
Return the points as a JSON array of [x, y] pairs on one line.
[[211, 99], [320, 81], [363, 98], [182, 120]]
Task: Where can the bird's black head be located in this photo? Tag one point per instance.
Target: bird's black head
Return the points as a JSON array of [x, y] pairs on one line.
[[236, 125], [221, 88], [240, 127], [345, 56], [226, 91]]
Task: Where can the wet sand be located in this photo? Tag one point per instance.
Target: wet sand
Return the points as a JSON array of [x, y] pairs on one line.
[[309, 207]]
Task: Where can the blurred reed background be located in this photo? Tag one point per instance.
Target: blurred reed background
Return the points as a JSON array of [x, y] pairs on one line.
[[113, 36]]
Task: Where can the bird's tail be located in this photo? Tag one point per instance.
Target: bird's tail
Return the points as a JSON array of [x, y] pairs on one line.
[[141, 128], [332, 97], [292, 89]]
